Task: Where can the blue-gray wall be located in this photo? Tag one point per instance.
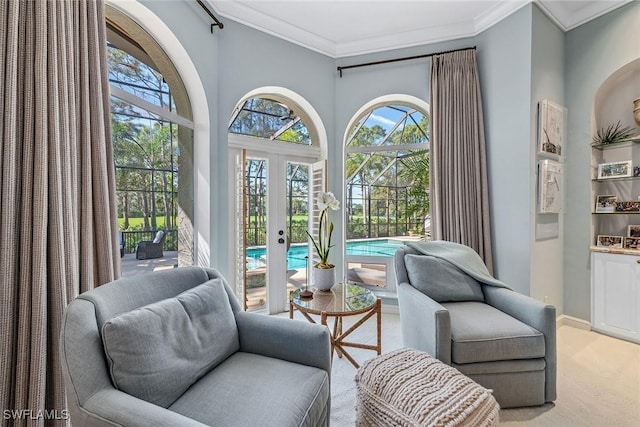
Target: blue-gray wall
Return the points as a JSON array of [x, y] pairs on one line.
[[504, 61], [547, 82]]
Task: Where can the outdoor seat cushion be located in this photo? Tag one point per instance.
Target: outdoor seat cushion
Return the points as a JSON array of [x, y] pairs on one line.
[[440, 280], [249, 390], [482, 333], [156, 352]]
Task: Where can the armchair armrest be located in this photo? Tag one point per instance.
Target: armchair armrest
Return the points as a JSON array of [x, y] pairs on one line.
[[536, 314], [110, 407], [292, 340], [425, 324]]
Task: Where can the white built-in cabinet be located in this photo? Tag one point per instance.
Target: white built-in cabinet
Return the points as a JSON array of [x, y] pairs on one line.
[[615, 283]]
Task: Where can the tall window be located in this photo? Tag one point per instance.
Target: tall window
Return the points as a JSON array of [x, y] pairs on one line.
[[145, 148], [387, 189], [387, 174]]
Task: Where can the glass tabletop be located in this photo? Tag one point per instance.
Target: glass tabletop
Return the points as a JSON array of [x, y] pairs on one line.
[[336, 301]]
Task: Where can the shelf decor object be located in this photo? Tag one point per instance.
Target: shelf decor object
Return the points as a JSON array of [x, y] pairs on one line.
[[615, 169], [605, 203], [632, 243], [609, 241], [612, 134], [549, 186], [551, 122]]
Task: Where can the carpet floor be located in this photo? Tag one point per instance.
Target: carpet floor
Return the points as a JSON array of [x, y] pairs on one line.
[[598, 380]]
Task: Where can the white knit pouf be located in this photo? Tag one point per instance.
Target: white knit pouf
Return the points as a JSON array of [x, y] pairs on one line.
[[410, 388]]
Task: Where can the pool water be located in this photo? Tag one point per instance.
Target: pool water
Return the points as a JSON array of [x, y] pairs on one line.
[[297, 253]]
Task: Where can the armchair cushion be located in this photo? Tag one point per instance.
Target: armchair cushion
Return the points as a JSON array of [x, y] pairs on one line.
[[481, 333], [440, 280], [268, 392], [159, 236], [156, 352]]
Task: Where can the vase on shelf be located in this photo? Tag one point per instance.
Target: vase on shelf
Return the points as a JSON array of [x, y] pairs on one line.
[[323, 279]]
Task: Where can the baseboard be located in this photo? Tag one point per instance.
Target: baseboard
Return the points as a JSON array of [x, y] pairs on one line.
[[574, 322]]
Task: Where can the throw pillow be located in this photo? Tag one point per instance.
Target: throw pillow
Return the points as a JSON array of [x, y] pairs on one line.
[[156, 352], [440, 280]]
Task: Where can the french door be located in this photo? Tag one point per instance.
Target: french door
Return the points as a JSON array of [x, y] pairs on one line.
[[275, 204]]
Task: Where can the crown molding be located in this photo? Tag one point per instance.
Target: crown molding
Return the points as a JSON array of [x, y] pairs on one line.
[[565, 15], [568, 18]]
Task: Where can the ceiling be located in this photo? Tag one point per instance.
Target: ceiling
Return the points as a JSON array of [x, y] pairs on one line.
[[353, 27]]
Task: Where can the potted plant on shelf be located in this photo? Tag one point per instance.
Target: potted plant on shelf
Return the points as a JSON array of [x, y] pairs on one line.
[[323, 272], [612, 134]]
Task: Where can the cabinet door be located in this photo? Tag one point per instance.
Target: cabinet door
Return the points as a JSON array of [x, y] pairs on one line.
[[615, 294]]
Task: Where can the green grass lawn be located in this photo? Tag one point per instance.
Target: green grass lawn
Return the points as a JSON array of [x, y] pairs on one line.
[[137, 223]]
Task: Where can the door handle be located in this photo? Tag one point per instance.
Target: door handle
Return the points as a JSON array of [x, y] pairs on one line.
[[281, 241]]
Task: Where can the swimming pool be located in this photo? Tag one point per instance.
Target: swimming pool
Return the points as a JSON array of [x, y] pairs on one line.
[[296, 254]]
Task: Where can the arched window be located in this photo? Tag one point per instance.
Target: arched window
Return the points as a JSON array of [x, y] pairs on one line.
[[151, 131], [386, 188]]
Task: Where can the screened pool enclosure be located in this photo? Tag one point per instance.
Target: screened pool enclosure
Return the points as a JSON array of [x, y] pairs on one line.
[[386, 189]]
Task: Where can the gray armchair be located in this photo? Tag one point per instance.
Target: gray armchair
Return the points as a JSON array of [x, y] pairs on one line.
[[503, 340], [174, 348], [149, 249]]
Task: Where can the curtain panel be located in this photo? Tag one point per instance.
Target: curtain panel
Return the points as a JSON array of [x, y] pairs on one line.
[[459, 192], [58, 226]]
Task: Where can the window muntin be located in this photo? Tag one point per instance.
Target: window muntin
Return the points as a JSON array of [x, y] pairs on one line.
[[387, 173], [269, 119]]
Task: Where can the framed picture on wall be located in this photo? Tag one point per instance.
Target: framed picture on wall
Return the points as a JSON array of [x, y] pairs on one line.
[[549, 186], [551, 122]]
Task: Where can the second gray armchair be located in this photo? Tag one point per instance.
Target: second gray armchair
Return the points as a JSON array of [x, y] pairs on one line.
[[454, 310]]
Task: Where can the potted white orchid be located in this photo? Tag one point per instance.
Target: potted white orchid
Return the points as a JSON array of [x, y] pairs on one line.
[[323, 272]]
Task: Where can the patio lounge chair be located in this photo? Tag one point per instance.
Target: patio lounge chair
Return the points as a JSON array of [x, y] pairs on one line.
[[148, 249]]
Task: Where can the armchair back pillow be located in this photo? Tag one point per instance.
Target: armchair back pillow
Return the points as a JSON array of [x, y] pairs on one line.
[[440, 280], [156, 352]]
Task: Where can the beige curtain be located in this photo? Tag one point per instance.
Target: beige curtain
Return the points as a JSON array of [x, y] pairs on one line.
[[459, 193], [57, 206]]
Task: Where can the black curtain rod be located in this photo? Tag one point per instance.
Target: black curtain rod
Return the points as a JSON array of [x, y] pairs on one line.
[[212, 16], [386, 61]]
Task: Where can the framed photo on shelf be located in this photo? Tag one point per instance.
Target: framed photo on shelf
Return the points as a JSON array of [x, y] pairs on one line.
[[627, 207], [605, 203], [615, 169], [609, 241], [551, 120], [633, 231], [632, 243]]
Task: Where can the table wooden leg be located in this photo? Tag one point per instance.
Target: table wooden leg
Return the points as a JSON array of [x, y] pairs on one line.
[[379, 325]]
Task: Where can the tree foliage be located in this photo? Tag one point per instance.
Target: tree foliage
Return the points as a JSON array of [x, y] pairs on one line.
[[390, 186], [144, 146]]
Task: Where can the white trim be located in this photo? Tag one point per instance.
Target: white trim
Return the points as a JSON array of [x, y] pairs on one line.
[[148, 106], [278, 147], [564, 320], [203, 217]]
